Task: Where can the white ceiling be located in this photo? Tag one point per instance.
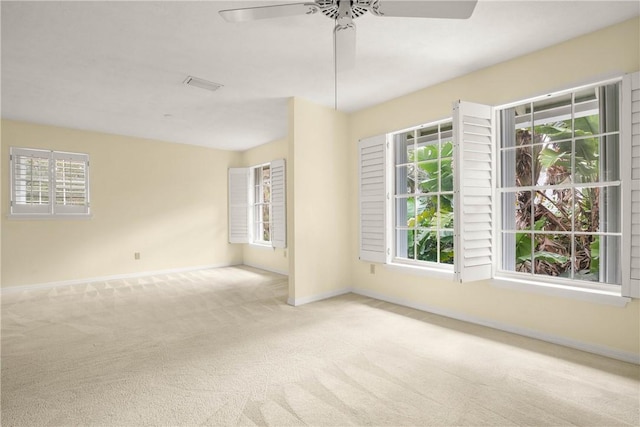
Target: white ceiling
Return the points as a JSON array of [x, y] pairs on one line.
[[118, 66]]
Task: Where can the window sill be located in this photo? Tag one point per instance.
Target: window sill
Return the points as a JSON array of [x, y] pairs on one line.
[[48, 217], [596, 296], [259, 245], [415, 270]]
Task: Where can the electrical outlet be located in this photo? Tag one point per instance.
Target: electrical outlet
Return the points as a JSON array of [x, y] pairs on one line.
[[372, 268], [136, 255]]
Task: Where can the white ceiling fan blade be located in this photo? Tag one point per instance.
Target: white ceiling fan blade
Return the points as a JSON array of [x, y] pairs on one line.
[[267, 12], [344, 42], [451, 9]]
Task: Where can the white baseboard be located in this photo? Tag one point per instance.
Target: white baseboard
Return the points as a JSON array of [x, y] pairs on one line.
[[49, 285], [542, 336], [318, 297], [262, 267]]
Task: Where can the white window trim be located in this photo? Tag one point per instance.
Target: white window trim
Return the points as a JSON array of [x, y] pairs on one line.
[[594, 291], [252, 203], [51, 211]]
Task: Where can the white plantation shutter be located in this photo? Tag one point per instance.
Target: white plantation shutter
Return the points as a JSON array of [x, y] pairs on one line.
[[278, 204], [372, 173], [239, 205], [473, 195], [631, 201], [71, 183], [30, 181]]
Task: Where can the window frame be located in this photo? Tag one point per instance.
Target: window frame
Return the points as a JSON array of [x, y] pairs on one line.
[[531, 279], [392, 210], [52, 209]]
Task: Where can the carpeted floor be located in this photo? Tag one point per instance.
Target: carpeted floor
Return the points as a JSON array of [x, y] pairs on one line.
[[221, 347]]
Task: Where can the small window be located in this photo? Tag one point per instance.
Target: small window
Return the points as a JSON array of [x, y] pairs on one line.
[[262, 204], [423, 194], [560, 189], [48, 183]]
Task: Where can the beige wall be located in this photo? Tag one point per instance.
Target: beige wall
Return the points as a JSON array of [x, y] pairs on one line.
[[318, 150], [272, 259], [166, 201], [606, 53]]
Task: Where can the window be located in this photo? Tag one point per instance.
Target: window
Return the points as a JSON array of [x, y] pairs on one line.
[[257, 208], [262, 204], [561, 187], [423, 194], [48, 183]]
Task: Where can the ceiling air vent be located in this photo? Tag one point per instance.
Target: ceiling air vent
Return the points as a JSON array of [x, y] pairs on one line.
[[202, 84]]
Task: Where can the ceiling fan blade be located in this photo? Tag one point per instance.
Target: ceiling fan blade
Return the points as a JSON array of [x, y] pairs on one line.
[[451, 9], [267, 12], [344, 44]]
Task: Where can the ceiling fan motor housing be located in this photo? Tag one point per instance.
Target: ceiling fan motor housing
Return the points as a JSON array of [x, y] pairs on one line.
[[331, 8]]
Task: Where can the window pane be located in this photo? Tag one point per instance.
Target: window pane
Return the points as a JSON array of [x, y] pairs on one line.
[[587, 160], [523, 252], [446, 246], [517, 167], [446, 211], [31, 180], [446, 175], [552, 256], [598, 259], [405, 212], [426, 245], [428, 176], [517, 210], [553, 165], [552, 119], [586, 113], [427, 211], [405, 181], [406, 248], [553, 210], [266, 235], [597, 210]]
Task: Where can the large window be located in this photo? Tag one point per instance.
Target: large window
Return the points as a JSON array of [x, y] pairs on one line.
[[423, 194], [48, 183], [539, 192], [262, 204], [560, 186]]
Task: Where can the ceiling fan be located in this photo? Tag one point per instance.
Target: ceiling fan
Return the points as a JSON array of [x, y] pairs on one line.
[[345, 11]]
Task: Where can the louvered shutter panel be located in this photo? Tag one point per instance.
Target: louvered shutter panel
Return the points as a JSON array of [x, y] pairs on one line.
[[31, 184], [372, 198], [71, 183], [278, 204], [631, 204], [238, 205], [473, 196]]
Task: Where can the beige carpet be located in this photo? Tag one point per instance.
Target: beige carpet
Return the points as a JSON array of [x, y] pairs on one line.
[[221, 347]]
